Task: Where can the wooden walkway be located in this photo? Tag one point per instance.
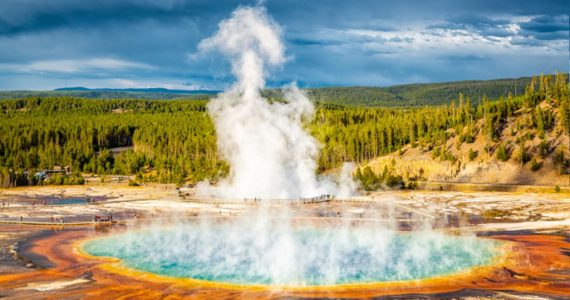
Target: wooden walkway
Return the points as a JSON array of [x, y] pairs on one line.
[[254, 201], [39, 223]]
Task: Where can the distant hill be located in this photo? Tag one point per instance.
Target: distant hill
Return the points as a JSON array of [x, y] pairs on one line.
[[107, 93], [143, 90], [75, 88], [419, 94], [408, 95]]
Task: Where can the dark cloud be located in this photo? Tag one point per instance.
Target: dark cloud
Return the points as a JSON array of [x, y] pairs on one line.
[[162, 34], [24, 16], [532, 32], [547, 27], [311, 42], [547, 24], [523, 41]]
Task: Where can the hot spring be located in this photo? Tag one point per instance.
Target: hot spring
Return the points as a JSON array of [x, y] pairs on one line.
[[278, 252]]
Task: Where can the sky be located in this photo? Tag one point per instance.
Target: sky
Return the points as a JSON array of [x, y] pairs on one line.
[[47, 44]]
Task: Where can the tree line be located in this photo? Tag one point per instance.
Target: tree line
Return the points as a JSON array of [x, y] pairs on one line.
[[175, 140]]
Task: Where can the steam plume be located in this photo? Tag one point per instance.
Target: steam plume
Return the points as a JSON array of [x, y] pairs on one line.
[[271, 154]]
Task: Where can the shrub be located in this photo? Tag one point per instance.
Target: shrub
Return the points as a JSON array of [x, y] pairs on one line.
[[502, 153], [55, 180], [467, 138], [436, 152], [559, 157], [133, 183], [394, 181], [543, 148], [522, 156], [488, 148], [560, 160], [65, 180], [412, 185], [472, 154], [450, 157], [368, 179], [535, 165], [73, 180]]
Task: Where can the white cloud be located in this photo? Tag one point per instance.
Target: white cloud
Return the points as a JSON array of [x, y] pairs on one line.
[[74, 66], [168, 84], [426, 42]]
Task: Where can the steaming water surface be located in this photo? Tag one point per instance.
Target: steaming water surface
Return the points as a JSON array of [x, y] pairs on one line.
[[281, 254], [272, 156]]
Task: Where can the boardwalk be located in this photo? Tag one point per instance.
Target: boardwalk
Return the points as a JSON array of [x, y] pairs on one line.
[[39, 223]]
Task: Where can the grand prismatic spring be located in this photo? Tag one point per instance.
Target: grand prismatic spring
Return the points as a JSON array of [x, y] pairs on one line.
[[274, 227], [273, 157], [235, 253], [261, 250]]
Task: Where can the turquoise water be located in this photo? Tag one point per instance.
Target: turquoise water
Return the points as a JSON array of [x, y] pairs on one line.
[[67, 201], [253, 253]]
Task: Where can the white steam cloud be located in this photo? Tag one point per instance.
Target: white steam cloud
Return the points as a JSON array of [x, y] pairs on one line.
[[270, 153], [273, 157]]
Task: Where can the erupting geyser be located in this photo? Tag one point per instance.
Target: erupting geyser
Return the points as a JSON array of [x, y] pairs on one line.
[[273, 157], [270, 153]]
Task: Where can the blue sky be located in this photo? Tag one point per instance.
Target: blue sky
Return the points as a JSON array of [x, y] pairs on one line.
[[46, 44]]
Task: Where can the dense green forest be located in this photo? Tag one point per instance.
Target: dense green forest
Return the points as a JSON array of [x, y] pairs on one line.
[[174, 141]]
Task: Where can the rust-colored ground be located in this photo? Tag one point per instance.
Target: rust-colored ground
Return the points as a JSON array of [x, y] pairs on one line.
[[535, 264]]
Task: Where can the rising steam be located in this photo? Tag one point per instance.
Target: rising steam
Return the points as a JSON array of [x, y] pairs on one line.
[[271, 154], [273, 157]]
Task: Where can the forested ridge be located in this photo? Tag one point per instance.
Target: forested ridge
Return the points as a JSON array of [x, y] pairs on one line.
[[392, 96], [416, 95], [174, 141]]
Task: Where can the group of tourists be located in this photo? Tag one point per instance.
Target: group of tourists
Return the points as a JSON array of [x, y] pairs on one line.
[[99, 218], [34, 203], [57, 219]]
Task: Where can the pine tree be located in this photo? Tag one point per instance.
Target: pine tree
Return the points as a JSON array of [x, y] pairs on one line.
[[539, 121], [502, 153], [472, 155]]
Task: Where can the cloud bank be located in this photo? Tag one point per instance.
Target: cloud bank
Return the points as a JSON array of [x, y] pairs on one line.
[[405, 41]]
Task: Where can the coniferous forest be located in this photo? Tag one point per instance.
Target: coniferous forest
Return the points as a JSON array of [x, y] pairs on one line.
[[175, 141]]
